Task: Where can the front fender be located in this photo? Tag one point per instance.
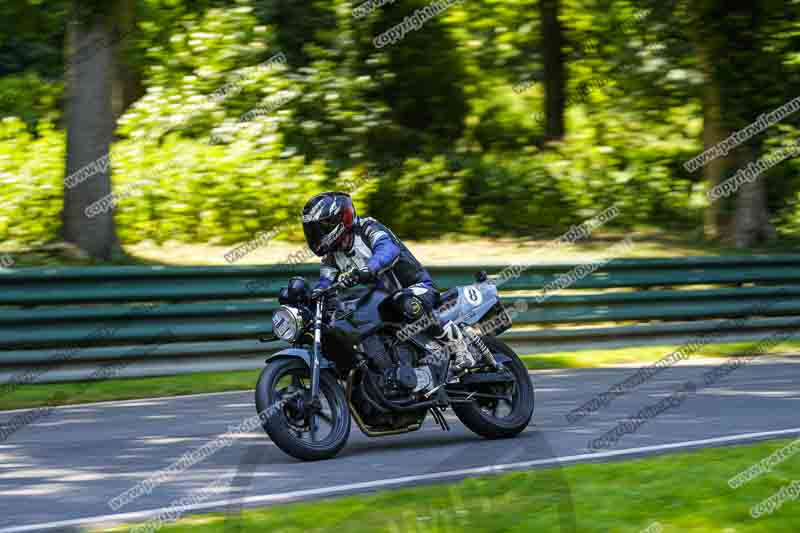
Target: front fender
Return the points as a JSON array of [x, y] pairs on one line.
[[299, 353]]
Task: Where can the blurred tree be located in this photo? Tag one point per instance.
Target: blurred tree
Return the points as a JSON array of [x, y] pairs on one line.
[[709, 42], [300, 26], [751, 224], [741, 49], [127, 86], [555, 80], [31, 59], [91, 59], [445, 115], [32, 37]]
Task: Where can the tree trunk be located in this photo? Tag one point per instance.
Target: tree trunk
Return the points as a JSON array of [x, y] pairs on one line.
[[554, 70], [751, 221], [708, 46], [90, 127], [713, 133], [128, 85], [751, 218]]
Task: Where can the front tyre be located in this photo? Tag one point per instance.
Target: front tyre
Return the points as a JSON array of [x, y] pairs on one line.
[[500, 418], [283, 392]]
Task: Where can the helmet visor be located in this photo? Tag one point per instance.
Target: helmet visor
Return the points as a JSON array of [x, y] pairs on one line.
[[319, 234]]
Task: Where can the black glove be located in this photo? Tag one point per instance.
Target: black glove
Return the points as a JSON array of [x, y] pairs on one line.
[[349, 278], [353, 277], [365, 275], [315, 294]]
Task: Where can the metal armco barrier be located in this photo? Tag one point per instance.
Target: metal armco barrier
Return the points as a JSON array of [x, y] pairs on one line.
[[59, 324]]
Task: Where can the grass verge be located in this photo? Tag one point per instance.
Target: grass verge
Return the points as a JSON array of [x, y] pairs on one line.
[[685, 492], [38, 395], [645, 354]]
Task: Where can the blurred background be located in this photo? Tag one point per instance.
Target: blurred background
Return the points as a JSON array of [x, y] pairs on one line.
[[493, 126]]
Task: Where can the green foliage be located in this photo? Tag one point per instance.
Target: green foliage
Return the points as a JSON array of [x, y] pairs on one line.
[[339, 115], [32, 37], [426, 88], [30, 187], [191, 192], [440, 117], [421, 199], [30, 98], [203, 53], [498, 197], [616, 159], [506, 120]]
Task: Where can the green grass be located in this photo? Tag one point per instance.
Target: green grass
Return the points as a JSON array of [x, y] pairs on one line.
[[128, 388], [643, 354], [37, 395], [685, 492]]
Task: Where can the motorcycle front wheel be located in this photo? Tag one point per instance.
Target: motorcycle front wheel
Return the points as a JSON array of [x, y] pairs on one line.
[[282, 393], [504, 410]]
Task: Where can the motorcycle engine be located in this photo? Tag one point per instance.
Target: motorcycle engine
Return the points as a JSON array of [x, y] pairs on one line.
[[409, 375], [392, 369], [396, 370], [405, 380]]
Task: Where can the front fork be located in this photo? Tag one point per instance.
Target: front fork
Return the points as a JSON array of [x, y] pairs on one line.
[[316, 354]]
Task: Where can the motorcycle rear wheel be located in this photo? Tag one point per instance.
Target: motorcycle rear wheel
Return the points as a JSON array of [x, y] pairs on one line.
[[485, 417], [282, 389]]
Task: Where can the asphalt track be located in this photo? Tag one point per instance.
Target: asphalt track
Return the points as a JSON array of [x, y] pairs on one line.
[[59, 472]]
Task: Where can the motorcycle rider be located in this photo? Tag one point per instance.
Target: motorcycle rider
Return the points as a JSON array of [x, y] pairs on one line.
[[358, 250]]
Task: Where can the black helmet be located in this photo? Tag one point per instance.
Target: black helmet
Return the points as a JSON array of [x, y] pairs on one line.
[[327, 219]]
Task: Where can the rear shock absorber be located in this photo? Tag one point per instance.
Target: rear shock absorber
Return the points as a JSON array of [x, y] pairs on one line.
[[473, 337]]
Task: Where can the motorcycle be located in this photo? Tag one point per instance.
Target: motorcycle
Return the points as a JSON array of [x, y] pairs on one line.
[[352, 356]]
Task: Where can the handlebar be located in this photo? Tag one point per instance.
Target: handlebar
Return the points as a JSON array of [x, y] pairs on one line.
[[333, 288]]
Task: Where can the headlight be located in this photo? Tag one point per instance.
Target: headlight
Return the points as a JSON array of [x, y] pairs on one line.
[[287, 323]]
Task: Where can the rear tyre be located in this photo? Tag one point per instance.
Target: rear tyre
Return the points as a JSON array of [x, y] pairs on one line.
[[498, 419], [283, 390]]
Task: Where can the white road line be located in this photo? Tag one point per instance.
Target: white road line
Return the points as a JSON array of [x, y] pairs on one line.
[[398, 481]]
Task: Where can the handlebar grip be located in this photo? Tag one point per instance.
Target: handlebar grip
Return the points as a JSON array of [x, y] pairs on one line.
[[327, 290]]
